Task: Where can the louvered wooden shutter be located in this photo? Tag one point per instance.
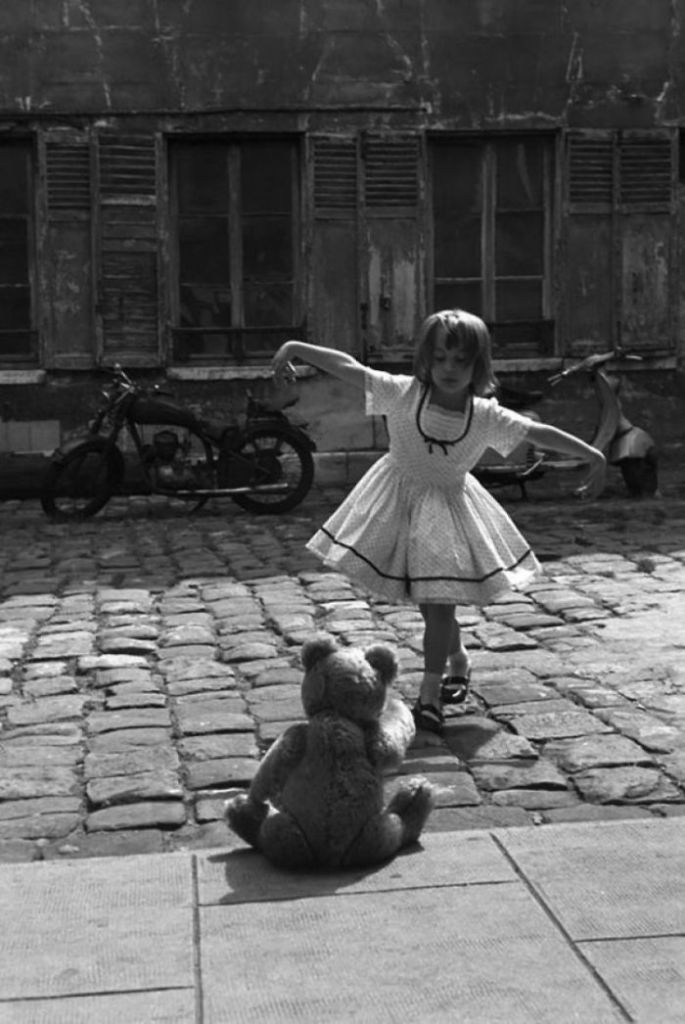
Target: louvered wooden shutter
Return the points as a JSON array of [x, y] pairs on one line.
[[391, 173], [67, 277], [335, 176], [67, 167], [333, 312], [128, 282], [394, 279], [646, 196], [621, 194], [590, 169], [645, 171]]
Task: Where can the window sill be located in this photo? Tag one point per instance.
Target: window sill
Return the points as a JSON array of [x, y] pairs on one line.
[[201, 373], [22, 376], [555, 363]]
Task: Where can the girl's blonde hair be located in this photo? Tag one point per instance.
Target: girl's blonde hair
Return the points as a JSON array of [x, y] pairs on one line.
[[456, 325]]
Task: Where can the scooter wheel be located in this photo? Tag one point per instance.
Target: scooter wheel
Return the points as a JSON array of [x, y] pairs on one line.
[[640, 476]]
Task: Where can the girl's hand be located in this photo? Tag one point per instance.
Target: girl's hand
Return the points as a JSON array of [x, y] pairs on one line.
[[282, 366], [594, 482]]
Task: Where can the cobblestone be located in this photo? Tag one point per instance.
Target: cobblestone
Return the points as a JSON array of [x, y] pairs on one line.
[[148, 659]]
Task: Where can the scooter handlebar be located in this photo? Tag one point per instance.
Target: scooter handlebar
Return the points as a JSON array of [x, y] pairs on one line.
[[592, 362]]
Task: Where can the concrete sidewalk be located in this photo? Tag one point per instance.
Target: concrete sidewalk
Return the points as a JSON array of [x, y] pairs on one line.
[[563, 923]]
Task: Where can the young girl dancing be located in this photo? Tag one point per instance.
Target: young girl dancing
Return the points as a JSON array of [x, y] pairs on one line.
[[418, 526]]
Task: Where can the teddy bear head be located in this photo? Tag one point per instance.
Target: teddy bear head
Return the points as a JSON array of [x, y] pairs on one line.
[[348, 680]]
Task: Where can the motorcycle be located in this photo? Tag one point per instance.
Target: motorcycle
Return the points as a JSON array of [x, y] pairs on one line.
[[264, 465], [625, 445]]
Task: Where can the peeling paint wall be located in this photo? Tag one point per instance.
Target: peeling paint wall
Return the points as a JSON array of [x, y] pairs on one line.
[[472, 63]]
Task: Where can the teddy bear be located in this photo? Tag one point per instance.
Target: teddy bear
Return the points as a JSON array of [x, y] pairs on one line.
[[317, 799]]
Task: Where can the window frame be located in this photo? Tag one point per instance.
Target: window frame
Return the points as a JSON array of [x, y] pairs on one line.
[[546, 326], [239, 356]]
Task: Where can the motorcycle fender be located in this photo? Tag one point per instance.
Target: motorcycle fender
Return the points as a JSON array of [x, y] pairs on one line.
[[634, 444], [101, 443], [285, 427]]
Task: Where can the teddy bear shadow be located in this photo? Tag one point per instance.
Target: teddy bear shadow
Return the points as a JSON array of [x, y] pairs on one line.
[[251, 878]]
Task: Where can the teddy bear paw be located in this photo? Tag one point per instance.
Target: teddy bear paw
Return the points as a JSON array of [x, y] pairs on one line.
[[412, 803]]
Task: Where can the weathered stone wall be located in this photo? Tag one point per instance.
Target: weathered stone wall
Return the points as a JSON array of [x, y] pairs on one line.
[[479, 63]]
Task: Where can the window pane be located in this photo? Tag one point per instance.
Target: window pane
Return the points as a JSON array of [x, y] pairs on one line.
[[457, 246], [459, 295], [518, 300], [202, 177], [14, 191], [15, 304], [519, 244], [520, 169], [18, 347], [203, 250], [16, 343], [456, 179], [268, 305], [267, 249], [204, 306], [266, 179], [14, 268]]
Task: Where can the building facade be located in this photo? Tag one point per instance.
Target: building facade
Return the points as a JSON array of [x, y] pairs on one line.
[[184, 184]]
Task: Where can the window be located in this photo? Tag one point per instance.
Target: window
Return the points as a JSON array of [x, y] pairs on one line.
[[18, 340], [236, 275], [491, 231]]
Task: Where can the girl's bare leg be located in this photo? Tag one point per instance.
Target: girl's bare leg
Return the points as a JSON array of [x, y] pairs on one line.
[[441, 639], [457, 658]]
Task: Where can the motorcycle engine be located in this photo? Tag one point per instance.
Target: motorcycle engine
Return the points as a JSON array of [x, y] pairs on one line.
[[170, 469]]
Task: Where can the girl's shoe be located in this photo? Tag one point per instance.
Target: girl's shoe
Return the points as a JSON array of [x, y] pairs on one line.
[[455, 689], [428, 717]]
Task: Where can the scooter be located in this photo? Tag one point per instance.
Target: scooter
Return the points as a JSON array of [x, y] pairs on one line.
[[625, 445]]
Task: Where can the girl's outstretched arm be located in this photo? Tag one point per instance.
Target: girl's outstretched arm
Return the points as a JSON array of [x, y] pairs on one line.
[[551, 438], [339, 364]]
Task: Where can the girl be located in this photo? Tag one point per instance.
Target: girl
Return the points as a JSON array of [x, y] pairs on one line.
[[418, 526]]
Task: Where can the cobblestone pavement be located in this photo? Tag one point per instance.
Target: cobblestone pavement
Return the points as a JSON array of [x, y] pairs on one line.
[[147, 658]]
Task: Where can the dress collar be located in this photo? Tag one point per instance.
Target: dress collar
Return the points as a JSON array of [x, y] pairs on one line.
[[441, 442]]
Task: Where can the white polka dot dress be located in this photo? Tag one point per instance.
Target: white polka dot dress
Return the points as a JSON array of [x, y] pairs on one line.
[[418, 526]]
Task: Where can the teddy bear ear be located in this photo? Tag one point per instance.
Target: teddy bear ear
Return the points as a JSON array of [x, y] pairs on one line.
[[383, 660], [316, 648]]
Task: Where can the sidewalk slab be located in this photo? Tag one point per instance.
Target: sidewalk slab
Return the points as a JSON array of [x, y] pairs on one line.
[[481, 954], [609, 880], [647, 975], [161, 1007], [96, 926]]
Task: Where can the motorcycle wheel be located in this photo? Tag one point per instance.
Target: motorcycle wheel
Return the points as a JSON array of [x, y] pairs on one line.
[[640, 476], [278, 457], [81, 483]]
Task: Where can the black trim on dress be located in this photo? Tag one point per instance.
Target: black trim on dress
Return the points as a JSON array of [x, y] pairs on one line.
[[408, 580], [443, 443]]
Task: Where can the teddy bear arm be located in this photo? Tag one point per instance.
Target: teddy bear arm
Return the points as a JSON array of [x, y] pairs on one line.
[[389, 741], [278, 762]]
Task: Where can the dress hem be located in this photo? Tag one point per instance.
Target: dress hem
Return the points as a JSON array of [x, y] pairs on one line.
[[479, 590]]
